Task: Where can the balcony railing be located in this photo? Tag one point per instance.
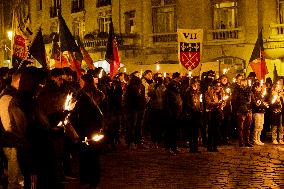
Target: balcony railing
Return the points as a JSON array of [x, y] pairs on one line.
[[225, 34], [276, 31], [97, 43], [164, 37]]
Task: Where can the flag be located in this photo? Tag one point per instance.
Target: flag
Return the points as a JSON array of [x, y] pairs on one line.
[[112, 55], [19, 43], [86, 57], [257, 61], [37, 49], [67, 43], [57, 56]]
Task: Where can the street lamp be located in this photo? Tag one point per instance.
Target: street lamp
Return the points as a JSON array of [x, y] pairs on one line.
[[10, 35]]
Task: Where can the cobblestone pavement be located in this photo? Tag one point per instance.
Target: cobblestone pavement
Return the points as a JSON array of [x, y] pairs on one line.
[[231, 167]]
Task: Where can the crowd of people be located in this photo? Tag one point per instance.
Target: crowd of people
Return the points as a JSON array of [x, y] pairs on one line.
[[205, 111]]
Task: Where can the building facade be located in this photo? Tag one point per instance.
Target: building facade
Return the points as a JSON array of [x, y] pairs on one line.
[[146, 30]]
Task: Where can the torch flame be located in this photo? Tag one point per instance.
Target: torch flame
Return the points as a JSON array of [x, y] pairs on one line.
[[59, 124], [200, 97], [68, 102], [98, 137], [234, 80]]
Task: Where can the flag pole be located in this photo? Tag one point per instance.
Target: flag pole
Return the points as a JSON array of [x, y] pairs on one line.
[[60, 53]]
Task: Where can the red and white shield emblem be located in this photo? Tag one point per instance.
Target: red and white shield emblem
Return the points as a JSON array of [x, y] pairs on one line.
[[189, 55]]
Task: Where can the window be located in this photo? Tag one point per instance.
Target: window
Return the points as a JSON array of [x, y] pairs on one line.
[[77, 6], [281, 11], [78, 28], [225, 15], [129, 22], [55, 7], [39, 5], [101, 3], [164, 16], [103, 22]]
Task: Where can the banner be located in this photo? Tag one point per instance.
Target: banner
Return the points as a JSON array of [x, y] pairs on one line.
[[189, 47]]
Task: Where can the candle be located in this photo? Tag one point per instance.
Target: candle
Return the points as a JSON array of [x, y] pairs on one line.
[[158, 67], [261, 82], [249, 82], [264, 92], [228, 90], [200, 97], [274, 98], [225, 97], [225, 71], [234, 80], [189, 73], [165, 74], [141, 73], [101, 74], [124, 70]]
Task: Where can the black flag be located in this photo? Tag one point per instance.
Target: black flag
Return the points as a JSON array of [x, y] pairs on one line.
[[37, 49]]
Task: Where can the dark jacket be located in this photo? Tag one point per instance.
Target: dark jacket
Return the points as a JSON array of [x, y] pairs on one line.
[[173, 100], [135, 95], [243, 100], [191, 102], [87, 116]]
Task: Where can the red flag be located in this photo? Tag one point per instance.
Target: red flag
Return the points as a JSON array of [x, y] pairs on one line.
[[257, 61], [19, 43], [112, 55], [88, 59]]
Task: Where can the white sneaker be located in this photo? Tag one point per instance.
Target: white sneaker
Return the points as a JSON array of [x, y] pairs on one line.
[[260, 143], [281, 142], [274, 142]]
